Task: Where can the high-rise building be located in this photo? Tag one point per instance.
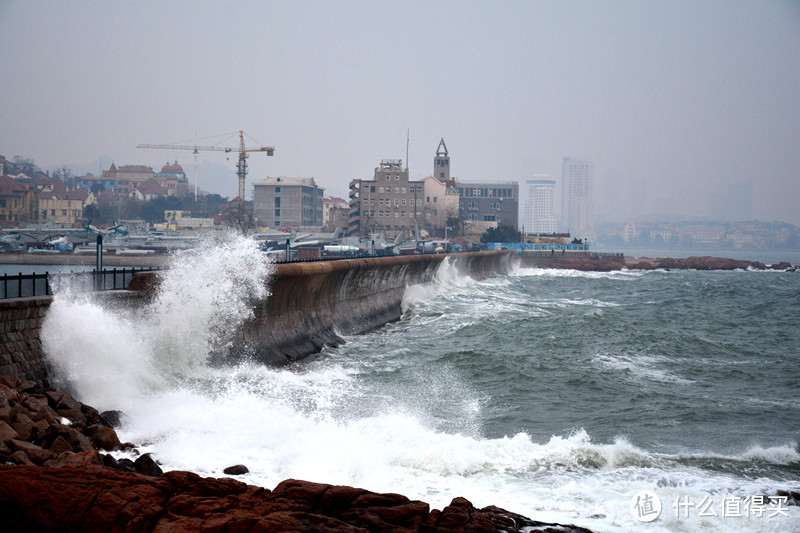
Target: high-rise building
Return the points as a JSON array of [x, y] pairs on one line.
[[576, 196], [539, 206]]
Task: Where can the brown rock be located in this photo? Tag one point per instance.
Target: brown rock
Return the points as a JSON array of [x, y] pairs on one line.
[[7, 433], [60, 445], [35, 453], [20, 458], [75, 416], [91, 457], [61, 400], [5, 408], [8, 394], [96, 498], [145, 464], [25, 427], [105, 438], [26, 386]]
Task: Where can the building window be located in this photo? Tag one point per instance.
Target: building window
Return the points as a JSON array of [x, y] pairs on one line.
[[397, 176], [403, 190], [277, 213], [397, 203], [380, 190], [277, 189], [277, 201], [403, 202]]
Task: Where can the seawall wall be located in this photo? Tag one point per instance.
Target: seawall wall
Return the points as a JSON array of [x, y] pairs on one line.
[[310, 306], [313, 304], [21, 355]]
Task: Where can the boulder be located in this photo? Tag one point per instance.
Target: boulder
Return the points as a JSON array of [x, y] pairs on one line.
[[7, 433], [145, 464], [236, 470], [105, 438], [98, 498]]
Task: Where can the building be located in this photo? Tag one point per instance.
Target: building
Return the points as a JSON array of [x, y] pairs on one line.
[[389, 203], [128, 176], [576, 196], [173, 179], [539, 205], [176, 219], [485, 204], [148, 190], [331, 202], [335, 213], [441, 163], [17, 202], [283, 202], [64, 209], [97, 183], [440, 203]]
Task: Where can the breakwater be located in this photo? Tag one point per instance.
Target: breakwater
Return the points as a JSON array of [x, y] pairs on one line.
[[313, 304]]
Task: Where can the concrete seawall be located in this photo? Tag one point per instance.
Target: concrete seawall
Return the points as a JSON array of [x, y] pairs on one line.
[[312, 304]]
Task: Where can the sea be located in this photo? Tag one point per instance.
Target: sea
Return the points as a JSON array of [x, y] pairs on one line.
[[663, 401]]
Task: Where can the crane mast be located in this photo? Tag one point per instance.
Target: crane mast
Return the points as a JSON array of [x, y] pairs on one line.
[[241, 166]]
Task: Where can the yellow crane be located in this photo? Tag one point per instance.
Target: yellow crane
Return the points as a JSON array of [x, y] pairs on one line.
[[241, 166]]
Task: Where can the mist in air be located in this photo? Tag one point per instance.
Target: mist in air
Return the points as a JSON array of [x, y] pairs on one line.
[[684, 108]]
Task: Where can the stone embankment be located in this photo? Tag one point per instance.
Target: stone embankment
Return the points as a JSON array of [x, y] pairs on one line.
[[312, 305], [55, 476]]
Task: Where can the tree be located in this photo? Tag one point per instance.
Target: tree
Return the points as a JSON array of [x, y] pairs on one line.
[[63, 174], [502, 233], [455, 224], [26, 165]]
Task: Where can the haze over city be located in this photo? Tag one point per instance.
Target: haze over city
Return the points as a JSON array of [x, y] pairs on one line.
[[684, 108]]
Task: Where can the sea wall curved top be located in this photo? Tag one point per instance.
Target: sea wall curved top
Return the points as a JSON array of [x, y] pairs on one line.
[[312, 304]]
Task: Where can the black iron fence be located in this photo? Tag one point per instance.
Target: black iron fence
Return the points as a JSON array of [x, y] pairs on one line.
[[24, 285]]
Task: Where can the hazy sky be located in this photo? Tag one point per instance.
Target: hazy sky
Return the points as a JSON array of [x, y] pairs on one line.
[[681, 106]]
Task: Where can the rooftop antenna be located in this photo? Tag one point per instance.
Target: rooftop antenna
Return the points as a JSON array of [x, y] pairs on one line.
[[408, 135]]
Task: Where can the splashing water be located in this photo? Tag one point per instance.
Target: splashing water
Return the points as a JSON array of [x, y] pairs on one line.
[[106, 352], [483, 389]]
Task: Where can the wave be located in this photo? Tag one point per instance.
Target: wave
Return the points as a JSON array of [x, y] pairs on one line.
[[105, 352], [519, 271]]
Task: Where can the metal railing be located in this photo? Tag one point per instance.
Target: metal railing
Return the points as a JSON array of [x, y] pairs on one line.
[[25, 285]]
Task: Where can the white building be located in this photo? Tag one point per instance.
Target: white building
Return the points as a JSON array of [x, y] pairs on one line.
[[576, 196], [539, 205]]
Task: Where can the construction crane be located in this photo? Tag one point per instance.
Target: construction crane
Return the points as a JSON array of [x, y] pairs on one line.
[[241, 166]]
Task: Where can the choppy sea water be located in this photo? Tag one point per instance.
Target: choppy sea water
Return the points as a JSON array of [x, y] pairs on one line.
[[556, 394]]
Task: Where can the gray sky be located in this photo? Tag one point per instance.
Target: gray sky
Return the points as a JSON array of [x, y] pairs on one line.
[[680, 105]]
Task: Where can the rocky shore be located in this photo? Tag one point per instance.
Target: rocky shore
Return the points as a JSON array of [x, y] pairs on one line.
[[701, 263], [55, 475]]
